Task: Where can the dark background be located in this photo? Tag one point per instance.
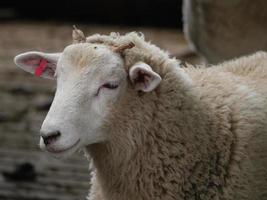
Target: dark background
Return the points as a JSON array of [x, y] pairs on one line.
[[162, 13]]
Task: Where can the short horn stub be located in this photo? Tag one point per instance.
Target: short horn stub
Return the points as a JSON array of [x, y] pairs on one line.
[[123, 47], [77, 35]]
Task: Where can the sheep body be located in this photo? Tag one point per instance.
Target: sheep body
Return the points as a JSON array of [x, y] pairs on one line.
[[202, 134], [154, 129], [220, 30]]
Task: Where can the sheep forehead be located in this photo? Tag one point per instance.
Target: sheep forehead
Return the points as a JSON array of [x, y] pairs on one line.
[[83, 54], [98, 60]]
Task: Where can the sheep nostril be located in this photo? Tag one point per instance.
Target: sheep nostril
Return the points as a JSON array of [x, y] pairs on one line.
[[51, 137]]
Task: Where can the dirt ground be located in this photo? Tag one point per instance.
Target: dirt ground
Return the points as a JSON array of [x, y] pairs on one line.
[[26, 173]]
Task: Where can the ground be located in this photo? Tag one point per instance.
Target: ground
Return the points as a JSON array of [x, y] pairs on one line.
[[27, 173]]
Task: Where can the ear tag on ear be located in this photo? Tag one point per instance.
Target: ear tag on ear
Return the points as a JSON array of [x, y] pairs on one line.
[[40, 69]]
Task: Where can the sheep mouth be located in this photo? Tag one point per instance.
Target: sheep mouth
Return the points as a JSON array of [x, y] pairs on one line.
[[58, 151]]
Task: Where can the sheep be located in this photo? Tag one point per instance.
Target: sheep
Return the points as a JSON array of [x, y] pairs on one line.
[[220, 30], [153, 129]]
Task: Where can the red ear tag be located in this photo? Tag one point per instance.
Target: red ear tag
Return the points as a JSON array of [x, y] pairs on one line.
[[40, 69]]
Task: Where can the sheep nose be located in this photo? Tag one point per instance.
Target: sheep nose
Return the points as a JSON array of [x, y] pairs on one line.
[[50, 137]]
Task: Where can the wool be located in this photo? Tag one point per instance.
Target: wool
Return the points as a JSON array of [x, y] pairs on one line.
[[200, 135], [221, 30]]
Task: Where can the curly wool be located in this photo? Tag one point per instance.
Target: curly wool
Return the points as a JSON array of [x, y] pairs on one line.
[[201, 135]]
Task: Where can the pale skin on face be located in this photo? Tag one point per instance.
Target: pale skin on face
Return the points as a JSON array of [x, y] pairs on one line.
[[90, 79]]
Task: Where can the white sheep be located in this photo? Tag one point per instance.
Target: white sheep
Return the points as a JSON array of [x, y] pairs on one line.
[[152, 129], [220, 30]]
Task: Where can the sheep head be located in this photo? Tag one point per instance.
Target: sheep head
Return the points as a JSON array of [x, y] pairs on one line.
[[91, 78]]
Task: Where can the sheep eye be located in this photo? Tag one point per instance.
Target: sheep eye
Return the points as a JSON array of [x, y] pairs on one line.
[[110, 86]]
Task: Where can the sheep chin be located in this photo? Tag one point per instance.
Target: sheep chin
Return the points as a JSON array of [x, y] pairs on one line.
[[62, 153]]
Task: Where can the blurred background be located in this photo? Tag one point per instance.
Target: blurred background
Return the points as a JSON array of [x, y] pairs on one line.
[[215, 31]]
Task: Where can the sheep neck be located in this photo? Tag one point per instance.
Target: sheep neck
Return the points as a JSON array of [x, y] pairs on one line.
[[152, 154]]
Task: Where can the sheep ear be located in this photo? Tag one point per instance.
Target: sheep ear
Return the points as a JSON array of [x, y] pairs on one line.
[[143, 77], [38, 63]]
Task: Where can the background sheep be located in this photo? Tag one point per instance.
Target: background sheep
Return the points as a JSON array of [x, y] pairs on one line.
[[220, 30], [155, 130]]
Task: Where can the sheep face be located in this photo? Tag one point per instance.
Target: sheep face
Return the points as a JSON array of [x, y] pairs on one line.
[[90, 79]]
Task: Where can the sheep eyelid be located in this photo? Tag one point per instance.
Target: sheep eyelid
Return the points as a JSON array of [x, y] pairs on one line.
[[110, 86]]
